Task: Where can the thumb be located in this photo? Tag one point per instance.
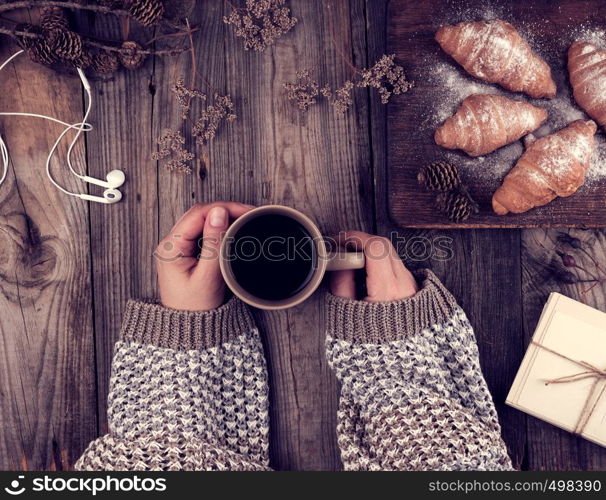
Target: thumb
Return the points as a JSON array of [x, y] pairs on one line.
[[215, 225]]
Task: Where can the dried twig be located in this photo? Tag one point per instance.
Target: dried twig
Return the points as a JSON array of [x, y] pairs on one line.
[[101, 9], [171, 35], [343, 56], [193, 54], [100, 45], [160, 52]]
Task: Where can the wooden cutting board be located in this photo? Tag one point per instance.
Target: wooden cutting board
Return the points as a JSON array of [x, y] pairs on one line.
[[441, 84]]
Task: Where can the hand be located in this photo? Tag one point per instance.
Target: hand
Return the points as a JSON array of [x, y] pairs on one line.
[[186, 281], [387, 278]]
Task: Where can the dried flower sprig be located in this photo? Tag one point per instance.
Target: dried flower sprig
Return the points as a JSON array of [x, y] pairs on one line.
[[385, 75], [261, 22], [304, 91], [171, 144], [204, 128], [342, 98], [210, 119], [184, 96]]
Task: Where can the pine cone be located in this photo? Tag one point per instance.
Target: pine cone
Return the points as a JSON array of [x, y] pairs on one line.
[[85, 60], [456, 205], [147, 12], [131, 57], [53, 18], [106, 62], [37, 49], [439, 176], [65, 44]]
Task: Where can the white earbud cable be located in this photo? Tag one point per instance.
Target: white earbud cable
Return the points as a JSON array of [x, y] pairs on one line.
[[11, 58], [3, 148], [4, 152], [82, 126]]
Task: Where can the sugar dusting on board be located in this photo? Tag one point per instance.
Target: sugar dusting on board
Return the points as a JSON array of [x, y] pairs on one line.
[[453, 85]]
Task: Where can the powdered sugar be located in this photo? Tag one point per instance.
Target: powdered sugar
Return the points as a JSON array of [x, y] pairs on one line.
[[597, 170], [489, 167], [562, 155], [588, 33], [586, 49], [453, 85], [587, 77], [487, 10]]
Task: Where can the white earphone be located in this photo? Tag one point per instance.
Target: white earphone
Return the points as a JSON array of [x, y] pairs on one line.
[[113, 180]]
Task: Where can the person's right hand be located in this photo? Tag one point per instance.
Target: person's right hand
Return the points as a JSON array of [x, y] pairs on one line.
[[387, 278], [189, 277]]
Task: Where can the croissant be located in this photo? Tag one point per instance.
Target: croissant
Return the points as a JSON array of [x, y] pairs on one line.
[[552, 166], [485, 122], [495, 52], [587, 71]]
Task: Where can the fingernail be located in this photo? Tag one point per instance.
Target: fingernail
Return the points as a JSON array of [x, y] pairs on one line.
[[218, 217]]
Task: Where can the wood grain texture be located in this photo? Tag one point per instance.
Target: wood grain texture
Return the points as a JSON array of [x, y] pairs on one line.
[[123, 235], [316, 162], [47, 369], [484, 276], [480, 267], [71, 267], [550, 448], [412, 26]]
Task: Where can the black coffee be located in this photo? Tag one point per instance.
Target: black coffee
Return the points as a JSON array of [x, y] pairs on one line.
[[273, 257]]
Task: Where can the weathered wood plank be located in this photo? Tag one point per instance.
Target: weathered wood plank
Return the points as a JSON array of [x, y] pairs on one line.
[[484, 276], [274, 154], [123, 235], [317, 162], [483, 272], [47, 386], [321, 162], [551, 28], [543, 272]]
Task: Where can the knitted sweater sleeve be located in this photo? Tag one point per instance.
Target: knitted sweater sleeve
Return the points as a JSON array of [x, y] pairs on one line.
[[188, 391], [412, 393]]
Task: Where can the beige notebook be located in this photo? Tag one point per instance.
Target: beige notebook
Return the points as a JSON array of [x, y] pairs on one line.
[[568, 351]]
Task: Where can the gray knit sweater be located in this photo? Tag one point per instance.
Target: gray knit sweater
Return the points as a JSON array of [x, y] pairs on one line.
[[189, 390]]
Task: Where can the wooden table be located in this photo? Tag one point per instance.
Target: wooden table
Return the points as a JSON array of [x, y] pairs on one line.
[[68, 267]]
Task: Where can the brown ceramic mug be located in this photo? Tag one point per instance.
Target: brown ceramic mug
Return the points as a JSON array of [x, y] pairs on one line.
[[275, 257]]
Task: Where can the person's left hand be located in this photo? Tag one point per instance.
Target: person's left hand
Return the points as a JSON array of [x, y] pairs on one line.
[[187, 282], [387, 278]]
